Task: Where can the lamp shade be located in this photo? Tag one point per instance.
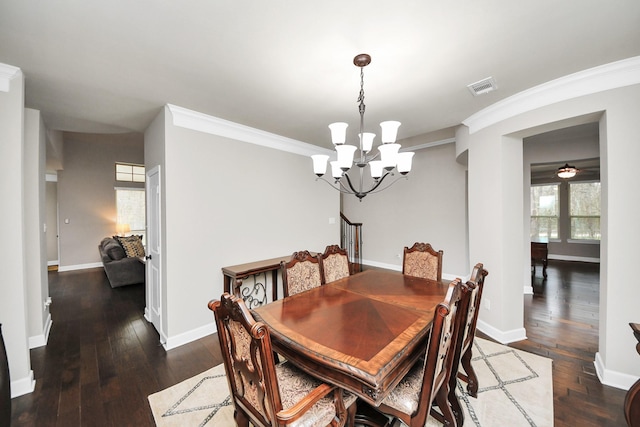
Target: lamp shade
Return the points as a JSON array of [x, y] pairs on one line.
[[336, 172], [366, 141], [389, 131], [388, 155], [376, 168], [319, 164], [345, 155], [338, 132], [121, 229], [404, 162]]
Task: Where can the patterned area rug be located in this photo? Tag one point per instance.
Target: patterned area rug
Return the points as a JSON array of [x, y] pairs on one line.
[[516, 389]]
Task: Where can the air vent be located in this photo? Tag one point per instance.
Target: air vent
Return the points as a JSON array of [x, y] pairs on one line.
[[483, 86]]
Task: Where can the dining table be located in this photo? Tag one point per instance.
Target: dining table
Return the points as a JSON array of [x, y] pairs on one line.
[[362, 333]]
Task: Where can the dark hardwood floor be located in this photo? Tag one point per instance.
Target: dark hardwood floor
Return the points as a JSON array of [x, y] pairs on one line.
[[103, 359]]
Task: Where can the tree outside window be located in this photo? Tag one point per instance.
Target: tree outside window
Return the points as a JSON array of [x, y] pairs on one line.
[[545, 211], [584, 210]]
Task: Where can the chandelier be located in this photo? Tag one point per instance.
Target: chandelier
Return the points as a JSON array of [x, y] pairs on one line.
[[348, 170]]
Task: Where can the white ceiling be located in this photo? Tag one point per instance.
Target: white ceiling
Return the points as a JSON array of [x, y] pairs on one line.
[[286, 66]]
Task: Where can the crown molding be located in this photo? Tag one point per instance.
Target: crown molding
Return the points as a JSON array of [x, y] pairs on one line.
[[429, 145], [190, 119], [7, 73], [604, 77]]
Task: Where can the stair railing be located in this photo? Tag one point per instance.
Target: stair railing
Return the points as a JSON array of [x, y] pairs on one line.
[[351, 241]]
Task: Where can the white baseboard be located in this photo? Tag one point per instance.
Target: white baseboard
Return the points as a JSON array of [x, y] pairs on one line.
[[79, 266], [54, 262], [23, 385], [503, 337], [528, 290], [382, 265], [41, 340], [613, 378], [189, 336], [394, 267], [574, 258]]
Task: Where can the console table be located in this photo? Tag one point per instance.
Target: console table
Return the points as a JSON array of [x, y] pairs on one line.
[[256, 295]]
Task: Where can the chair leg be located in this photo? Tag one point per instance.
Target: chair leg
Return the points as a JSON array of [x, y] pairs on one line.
[[446, 417], [471, 377], [369, 416], [241, 418], [454, 402]]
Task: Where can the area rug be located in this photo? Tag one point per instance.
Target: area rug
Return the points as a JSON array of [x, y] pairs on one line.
[[516, 389]]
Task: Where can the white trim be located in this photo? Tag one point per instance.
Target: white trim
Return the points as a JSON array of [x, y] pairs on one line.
[[393, 267], [189, 336], [429, 145], [503, 337], [51, 177], [584, 242], [573, 258], [41, 340], [613, 378], [528, 290], [8, 73], [54, 262], [604, 77], [79, 266], [23, 385], [194, 120]]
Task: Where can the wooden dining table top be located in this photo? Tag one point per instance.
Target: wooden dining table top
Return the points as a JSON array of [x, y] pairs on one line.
[[362, 332]]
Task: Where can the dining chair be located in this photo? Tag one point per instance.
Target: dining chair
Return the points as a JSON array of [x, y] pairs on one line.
[[428, 380], [334, 264], [265, 393], [421, 260], [302, 272], [465, 346]]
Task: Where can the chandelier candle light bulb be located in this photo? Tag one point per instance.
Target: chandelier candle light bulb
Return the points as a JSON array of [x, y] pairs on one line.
[[345, 171]]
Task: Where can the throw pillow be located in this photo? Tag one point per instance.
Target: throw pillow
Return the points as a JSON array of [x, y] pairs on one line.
[[132, 246], [114, 250]]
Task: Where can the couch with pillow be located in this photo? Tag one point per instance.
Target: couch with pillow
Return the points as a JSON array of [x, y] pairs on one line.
[[123, 260]]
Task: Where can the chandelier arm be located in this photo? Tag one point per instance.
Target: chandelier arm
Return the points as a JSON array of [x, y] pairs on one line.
[[340, 188], [390, 184], [346, 175]]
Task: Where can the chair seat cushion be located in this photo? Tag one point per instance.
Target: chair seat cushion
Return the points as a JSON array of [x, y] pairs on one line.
[[404, 397], [294, 384]]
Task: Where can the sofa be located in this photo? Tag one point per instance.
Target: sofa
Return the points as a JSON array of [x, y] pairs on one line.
[[121, 267]]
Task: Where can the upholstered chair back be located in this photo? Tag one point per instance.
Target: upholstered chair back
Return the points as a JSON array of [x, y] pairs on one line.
[[421, 260], [335, 264], [301, 273]]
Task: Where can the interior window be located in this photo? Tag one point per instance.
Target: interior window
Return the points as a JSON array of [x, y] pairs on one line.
[[130, 172]]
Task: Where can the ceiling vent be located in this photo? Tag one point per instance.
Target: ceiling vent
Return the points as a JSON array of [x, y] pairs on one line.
[[483, 86]]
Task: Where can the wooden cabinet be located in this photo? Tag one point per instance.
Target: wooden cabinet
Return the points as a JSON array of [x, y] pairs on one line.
[[539, 253]]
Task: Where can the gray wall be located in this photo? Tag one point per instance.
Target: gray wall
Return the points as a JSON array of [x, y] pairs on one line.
[[52, 222], [428, 207], [13, 283], [35, 220], [496, 180], [227, 202], [86, 195], [575, 143]]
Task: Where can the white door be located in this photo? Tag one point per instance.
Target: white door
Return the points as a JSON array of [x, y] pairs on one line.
[[153, 311]]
